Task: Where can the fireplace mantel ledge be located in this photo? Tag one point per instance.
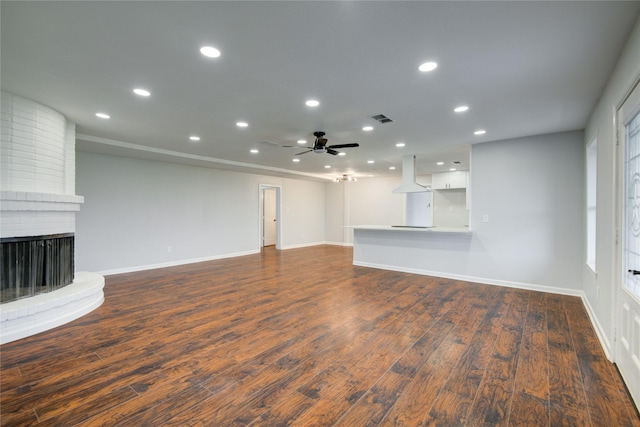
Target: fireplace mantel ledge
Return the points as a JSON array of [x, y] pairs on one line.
[[31, 201]]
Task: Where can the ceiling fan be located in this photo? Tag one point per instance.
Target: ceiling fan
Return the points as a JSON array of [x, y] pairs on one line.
[[320, 145]]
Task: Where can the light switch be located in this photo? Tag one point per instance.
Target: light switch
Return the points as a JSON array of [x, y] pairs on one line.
[[485, 218]]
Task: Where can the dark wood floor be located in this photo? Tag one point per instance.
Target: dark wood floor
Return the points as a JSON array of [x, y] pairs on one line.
[[302, 337]]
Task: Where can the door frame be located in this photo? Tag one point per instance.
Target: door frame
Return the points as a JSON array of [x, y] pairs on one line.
[[619, 216], [261, 189], [619, 213]]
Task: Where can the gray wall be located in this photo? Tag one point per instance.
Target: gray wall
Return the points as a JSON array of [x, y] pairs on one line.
[[135, 210], [532, 190], [334, 213]]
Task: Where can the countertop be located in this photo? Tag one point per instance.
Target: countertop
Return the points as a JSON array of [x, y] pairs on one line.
[[408, 229]]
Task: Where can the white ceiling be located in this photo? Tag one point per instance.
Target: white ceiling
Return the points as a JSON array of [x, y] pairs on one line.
[[523, 68]]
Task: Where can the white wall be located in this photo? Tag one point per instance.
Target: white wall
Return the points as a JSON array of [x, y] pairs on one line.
[[303, 213], [600, 124], [334, 211], [135, 210], [450, 208], [533, 193], [372, 201]]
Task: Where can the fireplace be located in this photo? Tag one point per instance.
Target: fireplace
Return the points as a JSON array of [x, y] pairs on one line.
[[39, 288], [34, 265]]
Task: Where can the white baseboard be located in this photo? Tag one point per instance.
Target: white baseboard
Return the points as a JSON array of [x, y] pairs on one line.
[[302, 245], [337, 243], [175, 263], [483, 280], [600, 333]]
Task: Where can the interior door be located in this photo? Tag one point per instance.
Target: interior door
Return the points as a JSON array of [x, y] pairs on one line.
[[628, 292], [269, 218]]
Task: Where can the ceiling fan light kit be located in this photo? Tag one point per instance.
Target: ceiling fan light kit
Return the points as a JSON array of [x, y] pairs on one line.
[[345, 178]]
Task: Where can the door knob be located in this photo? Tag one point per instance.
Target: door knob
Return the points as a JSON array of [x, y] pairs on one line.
[[634, 272]]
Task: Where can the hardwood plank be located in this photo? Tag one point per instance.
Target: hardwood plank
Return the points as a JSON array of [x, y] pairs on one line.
[[567, 398], [530, 405], [27, 417], [93, 401], [493, 401], [415, 401], [376, 402], [11, 378], [604, 399], [284, 412], [253, 341], [414, 404], [454, 401]]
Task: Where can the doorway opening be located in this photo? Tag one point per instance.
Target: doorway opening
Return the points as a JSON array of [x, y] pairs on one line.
[[270, 218]]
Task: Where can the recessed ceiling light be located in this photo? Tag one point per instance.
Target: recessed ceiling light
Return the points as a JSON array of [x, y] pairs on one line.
[[367, 128], [461, 109], [302, 141], [440, 163], [371, 161], [296, 160], [400, 144], [254, 151], [480, 132], [428, 66], [103, 115], [194, 138], [342, 153], [141, 92], [312, 103], [392, 168], [327, 167], [242, 124], [210, 52], [452, 169]]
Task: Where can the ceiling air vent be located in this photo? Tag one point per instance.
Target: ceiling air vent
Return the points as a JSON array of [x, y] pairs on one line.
[[381, 118]]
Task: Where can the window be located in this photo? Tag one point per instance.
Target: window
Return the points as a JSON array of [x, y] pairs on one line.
[[592, 174]]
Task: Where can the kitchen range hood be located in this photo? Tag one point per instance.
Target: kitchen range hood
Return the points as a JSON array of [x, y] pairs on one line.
[[409, 184]]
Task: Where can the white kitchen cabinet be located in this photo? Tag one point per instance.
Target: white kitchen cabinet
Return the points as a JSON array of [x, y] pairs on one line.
[[449, 180]]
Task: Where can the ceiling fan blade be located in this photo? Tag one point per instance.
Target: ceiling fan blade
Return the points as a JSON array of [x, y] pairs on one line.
[[334, 152], [344, 145], [304, 152]]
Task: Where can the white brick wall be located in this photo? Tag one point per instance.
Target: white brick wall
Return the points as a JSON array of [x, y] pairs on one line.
[[37, 169], [38, 148]]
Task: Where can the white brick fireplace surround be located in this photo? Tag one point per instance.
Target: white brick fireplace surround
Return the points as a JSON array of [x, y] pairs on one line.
[[37, 198]]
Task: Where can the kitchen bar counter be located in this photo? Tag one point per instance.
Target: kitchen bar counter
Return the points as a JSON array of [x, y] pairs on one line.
[[404, 228], [435, 251]]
